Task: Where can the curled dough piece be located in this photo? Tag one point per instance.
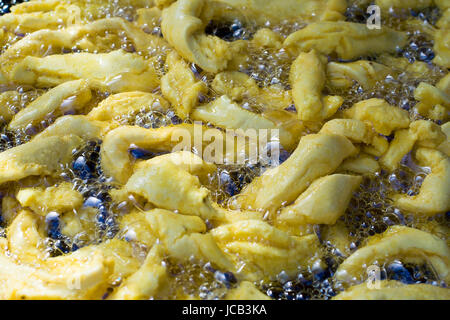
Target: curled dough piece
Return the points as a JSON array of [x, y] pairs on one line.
[[115, 157], [434, 103], [124, 104], [397, 242], [434, 195], [444, 83], [365, 73], [117, 71], [260, 250], [80, 37], [316, 155], [183, 25], [347, 39], [442, 4], [184, 160], [79, 126], [53, 17], [421, 133], [226, 114], [90, 10], [79, 275], [395, 290], [362, 164], [180, 87], [267, 38], [149, 282], [25, 235], [239, 86], [325, 200], [263, 11], [442, 48], [307, 78], [43, 156], [116, 160], [444, 147], [106, 116], [384, 117], [357, 131], [85, 268], [59, 198], [25, 242], [184, 237], [168, 186], [68, 96]]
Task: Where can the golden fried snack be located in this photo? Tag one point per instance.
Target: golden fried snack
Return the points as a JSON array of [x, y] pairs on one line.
[[260, 250], [38, 157], [169, 187], [90, 10], [434, 195], [444, 147], [80, 275], [363, 164], [433, 102], [346, 39], [395, 290], [224, 113], [275, 11], [139, 285], [61, 198], [82, 37], [116, 160], [124, 104], [316, 156], [68, 96], [184, 237], [180, 87], [357, 131], [79, 125], [441, 46], [384, 117], [325, 200], [28, 18], [224, 149], [307, 79], [397, 242], [420, 133], [444, 84], [183, 25], [102, 70], [239, 87], [365, 73]]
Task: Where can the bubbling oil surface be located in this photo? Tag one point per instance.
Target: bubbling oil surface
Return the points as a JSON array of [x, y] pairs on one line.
[[370, 212]]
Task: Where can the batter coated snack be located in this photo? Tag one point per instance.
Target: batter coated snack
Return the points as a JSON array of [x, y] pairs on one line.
[[221, 149]]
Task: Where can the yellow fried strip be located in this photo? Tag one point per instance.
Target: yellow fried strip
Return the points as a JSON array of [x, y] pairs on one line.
[[395, 290], [397, 242], [316, 155], [348, 40], [325, 200], [307, 78]]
